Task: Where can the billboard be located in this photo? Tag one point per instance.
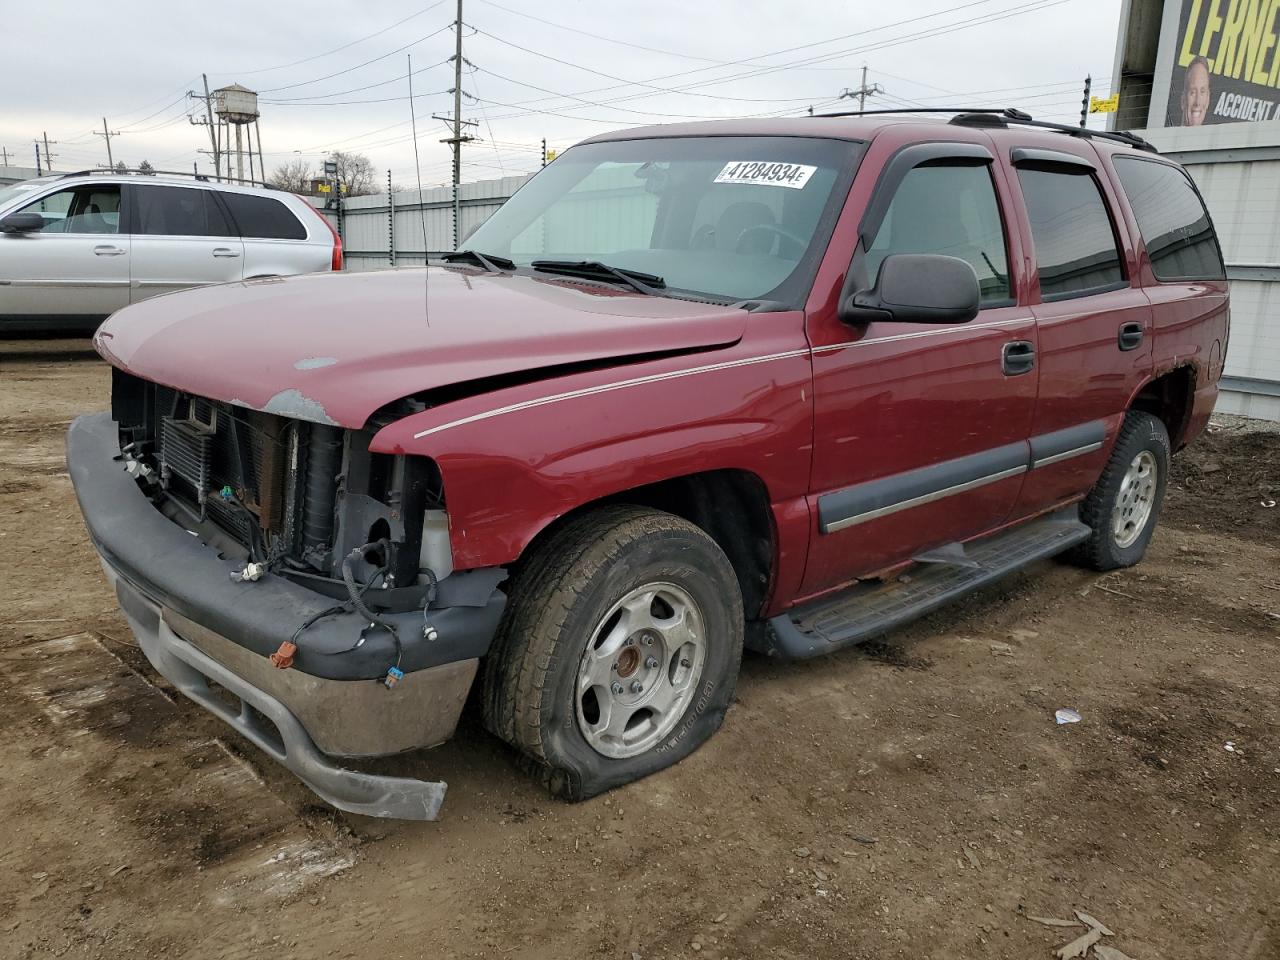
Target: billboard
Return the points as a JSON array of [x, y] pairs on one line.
[[1228, 63]]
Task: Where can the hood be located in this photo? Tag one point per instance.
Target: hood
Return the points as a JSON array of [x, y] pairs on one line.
[[335, 347]]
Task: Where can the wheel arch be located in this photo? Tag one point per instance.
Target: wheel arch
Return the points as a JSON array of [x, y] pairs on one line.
[[730, 505], [1170, 397]]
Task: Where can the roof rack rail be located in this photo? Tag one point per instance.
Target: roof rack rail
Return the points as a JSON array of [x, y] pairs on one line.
[[201, 177], [1003, 117]]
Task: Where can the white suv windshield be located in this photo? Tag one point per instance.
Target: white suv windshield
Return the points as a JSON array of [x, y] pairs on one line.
[[729, 217]]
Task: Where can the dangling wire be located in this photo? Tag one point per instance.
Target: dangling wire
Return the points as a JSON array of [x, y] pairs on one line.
[[422, 214]]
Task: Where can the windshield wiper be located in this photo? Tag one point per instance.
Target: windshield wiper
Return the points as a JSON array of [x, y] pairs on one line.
[[595, 270], [487, 260]]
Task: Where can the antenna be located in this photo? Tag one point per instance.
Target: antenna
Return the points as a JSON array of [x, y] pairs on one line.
[[422, 213]]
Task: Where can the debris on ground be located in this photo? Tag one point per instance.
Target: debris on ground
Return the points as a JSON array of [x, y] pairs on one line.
[[1103, 952], [1081, 946], [1055, 922], [1067, 715]]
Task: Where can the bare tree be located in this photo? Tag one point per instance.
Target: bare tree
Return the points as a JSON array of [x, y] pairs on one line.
[[355, 173], [295, 176], [120, 167], [146, 168]]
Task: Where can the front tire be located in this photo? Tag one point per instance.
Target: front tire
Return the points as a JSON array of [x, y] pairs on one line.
[[619, 651], [1123, 506]]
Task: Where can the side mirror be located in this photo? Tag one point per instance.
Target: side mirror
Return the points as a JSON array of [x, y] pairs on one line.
[[22, 222], [917, 288]]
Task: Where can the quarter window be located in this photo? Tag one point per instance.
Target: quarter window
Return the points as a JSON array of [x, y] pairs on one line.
[[94, 209], [949, 210], [263, 218], [179, 212], [1174, 223], [1076, 249]]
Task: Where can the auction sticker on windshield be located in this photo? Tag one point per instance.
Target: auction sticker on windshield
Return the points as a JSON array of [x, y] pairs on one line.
[[766, 174]]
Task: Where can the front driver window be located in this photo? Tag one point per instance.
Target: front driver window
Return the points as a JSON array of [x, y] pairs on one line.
[[950, 210], [93, 209]]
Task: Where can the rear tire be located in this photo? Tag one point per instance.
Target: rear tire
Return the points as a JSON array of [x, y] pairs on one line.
[[619, 651], [1122, 508]]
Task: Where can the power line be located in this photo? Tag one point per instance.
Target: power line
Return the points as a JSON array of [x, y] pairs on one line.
[[358, 66], [774, 53], [941, 30], [319, 56], [647, 113], [635, 83], [367, 86]]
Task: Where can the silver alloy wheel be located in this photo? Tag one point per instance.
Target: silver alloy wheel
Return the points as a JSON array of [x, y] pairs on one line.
[[1135, 501], [641, 667]]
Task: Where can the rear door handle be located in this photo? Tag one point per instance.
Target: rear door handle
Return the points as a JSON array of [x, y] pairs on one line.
[[225, 252], [1130, 337], [106, 250], [1018, 357]]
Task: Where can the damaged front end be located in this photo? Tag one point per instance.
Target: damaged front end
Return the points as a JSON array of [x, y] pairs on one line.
[[279, 561], [295, 496]]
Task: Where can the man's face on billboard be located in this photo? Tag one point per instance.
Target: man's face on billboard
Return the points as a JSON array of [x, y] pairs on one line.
[[1195, 95]]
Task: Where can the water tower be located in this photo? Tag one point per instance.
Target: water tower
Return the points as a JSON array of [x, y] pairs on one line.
[[237, 107]]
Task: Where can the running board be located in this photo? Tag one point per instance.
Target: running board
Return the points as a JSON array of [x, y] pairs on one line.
[[868, 610]]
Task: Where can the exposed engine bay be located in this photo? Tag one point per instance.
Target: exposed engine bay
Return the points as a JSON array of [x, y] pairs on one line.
[[302, 500]]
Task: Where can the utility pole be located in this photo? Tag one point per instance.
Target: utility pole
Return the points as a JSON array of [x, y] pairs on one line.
[[38, 170], [48, 160], [544, 150], [214, 140], [457, 140], [257, 135], [457, 127], [1084, 104], [107, 135], [4, 152], [862, 92]]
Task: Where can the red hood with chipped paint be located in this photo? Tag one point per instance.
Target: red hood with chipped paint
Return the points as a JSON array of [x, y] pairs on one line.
[[334, 347]]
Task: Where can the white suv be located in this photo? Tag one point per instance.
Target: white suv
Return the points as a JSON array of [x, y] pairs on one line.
[[76, 247]]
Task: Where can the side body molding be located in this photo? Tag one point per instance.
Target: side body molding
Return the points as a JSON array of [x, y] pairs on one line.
[[851, 506]]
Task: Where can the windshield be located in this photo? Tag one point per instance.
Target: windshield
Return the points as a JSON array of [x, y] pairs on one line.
[[23, 188], [738, 218]]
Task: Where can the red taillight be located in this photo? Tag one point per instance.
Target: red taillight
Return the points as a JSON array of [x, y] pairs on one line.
[[336, 262], [337, 249]]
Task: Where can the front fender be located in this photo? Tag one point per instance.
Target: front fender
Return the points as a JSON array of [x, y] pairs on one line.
[[514, 460]]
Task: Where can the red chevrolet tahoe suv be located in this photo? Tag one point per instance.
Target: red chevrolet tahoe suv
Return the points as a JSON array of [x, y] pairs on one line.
[[782, 384]]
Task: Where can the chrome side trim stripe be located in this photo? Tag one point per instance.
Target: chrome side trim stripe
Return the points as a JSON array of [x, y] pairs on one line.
[[657, 378], [925, 498], [608, 387], [937, 331], [1067, 455]]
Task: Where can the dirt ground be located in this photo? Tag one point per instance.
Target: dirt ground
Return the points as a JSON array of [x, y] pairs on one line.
[[914, 799]]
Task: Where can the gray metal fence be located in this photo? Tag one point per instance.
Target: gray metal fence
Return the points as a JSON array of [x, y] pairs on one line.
[[381, 231]]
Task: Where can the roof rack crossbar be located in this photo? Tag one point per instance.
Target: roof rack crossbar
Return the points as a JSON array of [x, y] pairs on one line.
[[1006, 116], [202, 177]]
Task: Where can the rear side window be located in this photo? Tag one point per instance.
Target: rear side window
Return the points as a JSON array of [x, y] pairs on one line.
[[1075, 242], [950, 210], [263, 218], [179, 212], [1174, 223]]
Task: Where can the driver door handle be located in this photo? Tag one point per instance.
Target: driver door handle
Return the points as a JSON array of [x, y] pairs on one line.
[[1130, 336], [1018, 357], [225, 252], [106, 250]]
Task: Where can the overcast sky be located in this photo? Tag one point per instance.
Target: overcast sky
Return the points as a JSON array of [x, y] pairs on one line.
[[318, 66]]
